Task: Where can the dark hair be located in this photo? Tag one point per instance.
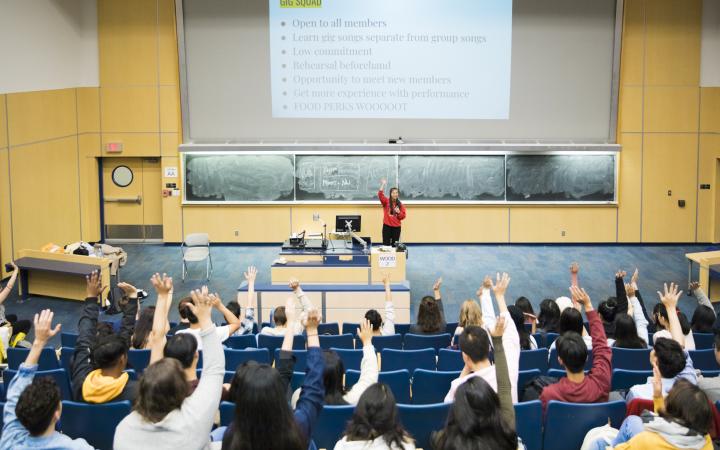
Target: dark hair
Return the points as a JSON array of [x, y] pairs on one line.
[[525, 306], [716, 341], [279, 316], [183, 347], [661, 311], [375, 319], [108, 350], [670, 357], [703, 319], [608, 309], [234, 308], [549, 316], [475, 421], [103, 329], [687, 405], [428, 318], [517, 316], [143, 327], [626, 333], [263, 418], [394, 203], [570, 320], [572, 350], [475, 343], [162, 389], [375, 415], [333, 374], [37, 405], [185, 311]]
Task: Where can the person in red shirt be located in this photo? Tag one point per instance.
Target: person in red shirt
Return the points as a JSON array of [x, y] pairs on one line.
[[393, 213], [577, 387]]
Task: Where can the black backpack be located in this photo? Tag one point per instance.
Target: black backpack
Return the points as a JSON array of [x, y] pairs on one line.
[[533, 388]]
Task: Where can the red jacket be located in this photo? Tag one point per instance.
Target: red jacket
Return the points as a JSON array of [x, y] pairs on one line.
[[392, 220], [596, 385]]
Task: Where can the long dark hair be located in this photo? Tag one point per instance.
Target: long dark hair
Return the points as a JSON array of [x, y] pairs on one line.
[[428, 318], [549, 316], [519, 318], [524, 304], [392, 204], [475, 422], [661, 311], [376, 415], [263, 418], [703, 319], [626, 333], [333, 378], [143, 327]]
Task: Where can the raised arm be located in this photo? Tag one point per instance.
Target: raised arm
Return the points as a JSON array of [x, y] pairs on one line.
[[305, 304], [636, 312], [286, 364], [669, 297], [312, 393], [574, 270], [601, 371], [248, 321], [163, 286], [499, 288], [368, 366], [486, 304], [130, 311], [87, 329], [438, 298], [388, 326], [699, 294], [620, 294], [381, 192], [233, 322], [5, 291], [504, 387]]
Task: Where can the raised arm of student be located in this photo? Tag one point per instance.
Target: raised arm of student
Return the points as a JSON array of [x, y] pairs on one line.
[[233, 323], [669, 297], [381, 192], [5, 291], [700, 295], [81, 364], [305, 304], [286, 363], [486, 303], [510, 337], [249, 319], [312, 393], [131, 312], [601, 371], [635, 311], [163, 287], [622, 299], [438, 298], [574, 270], [368, 366], [504, 387], [388, 326]]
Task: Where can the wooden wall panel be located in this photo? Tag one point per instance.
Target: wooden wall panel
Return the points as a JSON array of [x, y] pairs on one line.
[[630, 109], [630, 188], [3, 122], [547, 224], [708, 199], [171, 206], [671, 109], [88, 151], [88, 107], [253, 223], [6, 242], [130, 109], [633, 43], [134, 144], [169, 109], [710, 109], [456, 224], [41, 115]]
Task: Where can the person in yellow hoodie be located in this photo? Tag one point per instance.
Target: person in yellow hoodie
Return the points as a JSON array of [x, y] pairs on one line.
[[98, 364]]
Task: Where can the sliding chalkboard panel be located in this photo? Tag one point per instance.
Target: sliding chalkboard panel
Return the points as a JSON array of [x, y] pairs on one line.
[[560, 178], [216, 178], [342, 177], [452, 177]]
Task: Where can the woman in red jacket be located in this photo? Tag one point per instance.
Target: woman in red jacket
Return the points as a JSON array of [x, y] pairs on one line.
[[393, 213]]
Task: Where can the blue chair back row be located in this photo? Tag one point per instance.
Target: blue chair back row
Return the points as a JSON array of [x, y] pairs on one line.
[[96, 423]]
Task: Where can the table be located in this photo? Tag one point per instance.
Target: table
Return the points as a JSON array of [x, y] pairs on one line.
[[704, 260]]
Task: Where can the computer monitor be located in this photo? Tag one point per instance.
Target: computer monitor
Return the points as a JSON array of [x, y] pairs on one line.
[[341, 223]]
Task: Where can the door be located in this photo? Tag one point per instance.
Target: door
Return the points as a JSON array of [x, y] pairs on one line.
[[132, 199]]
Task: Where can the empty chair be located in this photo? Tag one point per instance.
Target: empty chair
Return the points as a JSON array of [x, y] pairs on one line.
[[241, 342], [196, 248], [703, 341], [48, 358], [328, 328], [95, 423], [227, 413], [68, 339], [430, 386], [703, 360], [61, 377], [625, 379], [524, 376], [66, 354], [528, 423], [407, 359], [351, 358], [297, 380], [450, 328], [337, 341], [138, 359], [420, 341], [350, 328], [421, 420], [553, 362], [711, 373], [402, 328], [330, 425], [234, 358], [300, 359], [397, 380], [392, 341], [534, 359], [450, 360], [631, 358], [576, 419], [273, 342]]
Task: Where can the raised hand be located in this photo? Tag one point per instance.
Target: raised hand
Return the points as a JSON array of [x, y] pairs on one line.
[[499, 328], [634, 278], [629, 290], [383, 183], [251, 274], [365, 332], [501, 284], [93, 286], [290, 311], [386, 280], [581, 297], [670, 296], [201, 306], [312, 321], [215, 300], [294, 284], [438, 283], [620, 274], [43, 326], [14, 266], [163, 284], [574, 267], [693, 286], [128, 289]]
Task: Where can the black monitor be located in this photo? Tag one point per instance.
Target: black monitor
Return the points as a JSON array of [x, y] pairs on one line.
[[341, 223]]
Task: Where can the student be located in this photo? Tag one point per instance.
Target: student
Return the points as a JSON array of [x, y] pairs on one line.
[[183, 347], [143, 326], [711, 385], [393, 214], [626, 335], [571, 321], [386, 327], [224, 332], [660, 315], [471, 313], [375, 424], [98, 363], [280, 314], [703, 320], [431, 313], [526, 307], [527, 341], [248, 322], [164, 415], [549, 316], [33, 404], [702, 298], [20, 328], [577, 387], [480, 418], [334, 372], [636, 310]]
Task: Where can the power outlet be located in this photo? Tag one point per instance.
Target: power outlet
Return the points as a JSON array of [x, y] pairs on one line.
[[562, 233], [237, 233]]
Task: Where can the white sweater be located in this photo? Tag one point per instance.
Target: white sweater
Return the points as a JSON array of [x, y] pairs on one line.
[[377, 444], [189, 426]]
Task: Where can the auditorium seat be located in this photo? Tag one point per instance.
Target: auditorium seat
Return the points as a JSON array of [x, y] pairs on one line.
[[350, 328], [234, 358], [351, 358], [138, 360], [227, 412], [625, 379], [61, 377], [68, 339], [421, 341], [402, 328], [430, 386], [48, 358], [703, 341], [422, 420], [450, 328], [391, 341], [553, 362], [528, 421], [576, 419], [704, 360], [631, 359], [273, 342], [300, 359], [331, 424], [328, 328], [337, 341], [95, 423], [407, 359], [534, 359], [397, 380], [524, 376], [241, 342], [450, 360]]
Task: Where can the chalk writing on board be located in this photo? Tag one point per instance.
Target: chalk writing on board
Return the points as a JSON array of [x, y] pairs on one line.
[[342, 177], [452, 177]]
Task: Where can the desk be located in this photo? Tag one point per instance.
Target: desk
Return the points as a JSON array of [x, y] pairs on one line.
[[704, 260]]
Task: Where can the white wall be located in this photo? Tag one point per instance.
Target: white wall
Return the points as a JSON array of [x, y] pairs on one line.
[[710, 55], [48, 44]]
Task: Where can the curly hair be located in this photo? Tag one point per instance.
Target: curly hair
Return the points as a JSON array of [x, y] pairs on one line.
[[37, 405]]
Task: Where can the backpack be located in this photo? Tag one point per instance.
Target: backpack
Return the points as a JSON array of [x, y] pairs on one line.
[[533, 388]]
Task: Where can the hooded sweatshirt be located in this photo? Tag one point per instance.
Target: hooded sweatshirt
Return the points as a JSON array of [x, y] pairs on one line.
[[662, 434], [98, 388]]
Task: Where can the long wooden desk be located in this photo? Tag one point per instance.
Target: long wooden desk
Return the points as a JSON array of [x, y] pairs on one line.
[[704, 261]]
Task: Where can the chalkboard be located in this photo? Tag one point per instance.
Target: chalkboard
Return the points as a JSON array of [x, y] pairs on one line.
[[452, 177], [344, 177], [561, 178], [233, 177]]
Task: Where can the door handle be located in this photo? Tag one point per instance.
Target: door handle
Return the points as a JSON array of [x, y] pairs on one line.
[[137, 200]]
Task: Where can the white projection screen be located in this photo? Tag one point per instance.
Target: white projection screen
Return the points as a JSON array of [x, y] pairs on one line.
[[538, 70]]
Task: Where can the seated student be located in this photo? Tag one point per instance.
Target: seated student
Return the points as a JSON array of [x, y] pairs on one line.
[[626, 335], [711, 385], [143, 326], [526, 307], [386, 327], [431, 314], [470, 315], [164, 415], [660, 315], [548, 317], [703, 300], [33, 404], [480, 418], [247, 323], [571, 321], [334, 372], [527, 340], [577, 387], [375, 424], [19, 328], [98, 363], [183, 347], [703, 320], [636, 310], [475, 347], [280, 314], [224, 332]]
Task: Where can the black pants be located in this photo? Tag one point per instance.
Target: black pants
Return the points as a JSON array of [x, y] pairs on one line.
[[18, 325], [391, 235]]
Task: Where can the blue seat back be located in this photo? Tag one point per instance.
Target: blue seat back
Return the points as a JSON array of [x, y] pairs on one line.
[[328, 328], [66, 354], [450, 360], [273, 342], [351, 358], [61, 377], [227, 412], [391, 341], [68, 339], [576, 419], [337, 341], [528, 422], [450, 328], [549, 339], [703, 341], [553, 362], [95, 423], [330, 425], [631, 358], [402, 328], [235, 358], [300, 359], [625, 379], [408, 359], [350, 328], [534, 359], [525, 376], [397, 380], [48, 358], [422, 420], [138, 360], [297, 380], [241, 342], [420, 341], [430, 386], [704, 360]]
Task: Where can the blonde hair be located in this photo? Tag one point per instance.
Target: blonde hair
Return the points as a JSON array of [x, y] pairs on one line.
[[470, 314]]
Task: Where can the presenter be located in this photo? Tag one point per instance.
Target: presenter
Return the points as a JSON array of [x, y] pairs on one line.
[[393, 214]]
